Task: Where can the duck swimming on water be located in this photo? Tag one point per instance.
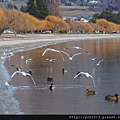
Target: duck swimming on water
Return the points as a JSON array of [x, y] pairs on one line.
[[52, 87], [90, 92], [49, 79], [112, 97]]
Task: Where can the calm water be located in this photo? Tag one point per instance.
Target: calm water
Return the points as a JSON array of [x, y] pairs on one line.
[[69, 94]]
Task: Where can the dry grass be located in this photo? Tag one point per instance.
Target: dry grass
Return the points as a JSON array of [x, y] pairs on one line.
[[66, 10], [76, 11]]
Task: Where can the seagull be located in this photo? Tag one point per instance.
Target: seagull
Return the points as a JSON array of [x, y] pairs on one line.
[[24, 74], [22, 57], [50, 59], [91, 58], [30, 59], [7, 84], [71, 58], [77, 47], [53, 50], [99, 62], [5, 57], [87, 75]]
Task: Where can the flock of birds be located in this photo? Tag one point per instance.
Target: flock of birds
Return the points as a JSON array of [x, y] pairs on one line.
[[51, 87], [88, 92]]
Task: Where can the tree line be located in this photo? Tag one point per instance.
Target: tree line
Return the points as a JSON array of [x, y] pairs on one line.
[[108, 15], [21, 22]]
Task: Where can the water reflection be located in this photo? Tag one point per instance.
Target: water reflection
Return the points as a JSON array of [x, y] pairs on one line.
[[69, 94]]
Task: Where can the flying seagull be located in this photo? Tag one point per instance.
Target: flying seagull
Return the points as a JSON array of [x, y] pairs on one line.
[[53, 50], [91, 58], [77, 47], [99, 62], [24, 74], [87, 75], [71, 58]]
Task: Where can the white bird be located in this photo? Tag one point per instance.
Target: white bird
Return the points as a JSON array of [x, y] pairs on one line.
[[5, 57], [71, 58], [30, 59], [7, 84], [91, 58], [53, 50], [50, 59], [99, 62], [77, 47], [11, 54], [24, 74], [22, 57], [87, 75]]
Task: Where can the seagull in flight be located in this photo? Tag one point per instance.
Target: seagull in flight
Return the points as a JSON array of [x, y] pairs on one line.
[[71, 57], [87, 75], [99, 62], [77, 47], [91, 58], [53, 50], [24, 74]]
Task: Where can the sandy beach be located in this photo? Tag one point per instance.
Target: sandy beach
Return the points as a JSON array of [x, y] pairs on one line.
[[8, 104]]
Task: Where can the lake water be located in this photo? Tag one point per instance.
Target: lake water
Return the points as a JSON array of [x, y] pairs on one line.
[[69, 96]]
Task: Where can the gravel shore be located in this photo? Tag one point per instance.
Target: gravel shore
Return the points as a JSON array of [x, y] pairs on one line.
[[8, 104]]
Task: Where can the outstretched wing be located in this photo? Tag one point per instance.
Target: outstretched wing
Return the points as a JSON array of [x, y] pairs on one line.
[[100, 61], [31, 78], [65, 53], [46, 51], [78, 74], [76, 54], [53, 50], [14, 73], [87, 75]]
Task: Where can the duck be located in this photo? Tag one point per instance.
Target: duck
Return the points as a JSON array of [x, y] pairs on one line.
[[49, 79], [30, 72], [63, 70], [52, 87], [18, 69], [112, 97], [90, 92]]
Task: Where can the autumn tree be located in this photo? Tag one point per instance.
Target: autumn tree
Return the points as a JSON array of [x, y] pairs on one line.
[[118, 28], [103, 24], [2, 21], [95, 27], [58, 23], [89, 28], [106, 26], [112, 27]]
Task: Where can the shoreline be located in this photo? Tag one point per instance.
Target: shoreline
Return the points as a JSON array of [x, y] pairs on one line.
[[8, 104]]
